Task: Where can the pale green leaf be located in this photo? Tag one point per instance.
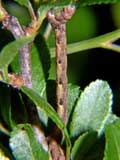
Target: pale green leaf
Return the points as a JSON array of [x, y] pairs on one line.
[[112, 135], [93, 108], [46, 107], [42, 116], [9, 52], [112, 118], [24, 144], [23, 2]]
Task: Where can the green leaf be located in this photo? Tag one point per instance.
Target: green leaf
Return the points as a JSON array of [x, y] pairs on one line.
[[93, 2], [80, 2], [38, 77], [83, 144], [45, 107], [40, 65], [47, 5], [93, 108], [24, 144], [9, 52], [112, 147], [63, 3], [5, 106], [42, 10], [38, 72], [8, 96], [59, 4], [23, 2], [73, 94], [56, 2]]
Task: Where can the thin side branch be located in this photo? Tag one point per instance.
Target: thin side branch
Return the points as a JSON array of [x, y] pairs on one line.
[[101, 41], [111, 46]]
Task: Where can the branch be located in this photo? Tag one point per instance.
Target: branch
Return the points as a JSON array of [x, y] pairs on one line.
[[102, 41], [12, 24], [112, 46]]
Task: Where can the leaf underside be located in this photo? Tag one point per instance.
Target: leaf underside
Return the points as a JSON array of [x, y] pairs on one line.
[[93, 108], [24, 144]]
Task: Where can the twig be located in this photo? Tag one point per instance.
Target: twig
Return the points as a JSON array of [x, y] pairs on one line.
[[12, 24], [97, 42], [55, 149], [58, 23], [111, 46]]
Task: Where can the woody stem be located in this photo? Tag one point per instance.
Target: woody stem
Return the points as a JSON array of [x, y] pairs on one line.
[[12, 24]]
